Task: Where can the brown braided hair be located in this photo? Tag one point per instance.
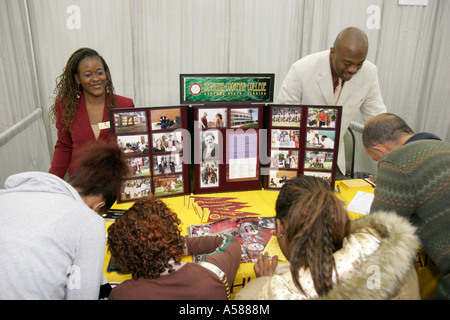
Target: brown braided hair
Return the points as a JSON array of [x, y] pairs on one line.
[[67, 90], [316, 225], [144, 238]]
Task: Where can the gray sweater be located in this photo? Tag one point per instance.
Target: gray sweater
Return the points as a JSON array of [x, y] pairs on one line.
[[52, 244]]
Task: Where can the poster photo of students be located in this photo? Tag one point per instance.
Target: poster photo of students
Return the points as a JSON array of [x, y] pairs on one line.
[[318, 160], [130, 122], [321, 118], [167, 185], [286, 116], [139, 166], [321, 139], [167, 141], [134, 189], [209, 174], [169, 163], [162, 119], [284, 159], [282, 138], [134, 144]]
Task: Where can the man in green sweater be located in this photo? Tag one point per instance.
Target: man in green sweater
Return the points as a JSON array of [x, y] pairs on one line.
[[413, 179]]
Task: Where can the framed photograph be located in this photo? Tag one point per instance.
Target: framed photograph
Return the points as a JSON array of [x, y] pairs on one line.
[[168, 185], [164, 119], [286, 116], [139, 166], [130, 122], [322, 117], [209, 174], [244, 118], [320, 160], [133, 145], [168, 163], [213, 117]]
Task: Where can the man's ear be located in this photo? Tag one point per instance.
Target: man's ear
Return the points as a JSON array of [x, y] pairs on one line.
[[98, 205]]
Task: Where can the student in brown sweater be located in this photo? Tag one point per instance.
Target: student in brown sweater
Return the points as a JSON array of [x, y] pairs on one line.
[[146, 242]]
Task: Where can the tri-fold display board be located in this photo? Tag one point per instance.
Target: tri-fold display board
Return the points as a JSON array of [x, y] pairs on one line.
[[224, 136]]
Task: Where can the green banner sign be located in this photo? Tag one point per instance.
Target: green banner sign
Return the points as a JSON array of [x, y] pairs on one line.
[[226, 88]]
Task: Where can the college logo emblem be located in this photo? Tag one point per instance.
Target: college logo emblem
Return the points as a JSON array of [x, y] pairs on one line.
[[195, 89]]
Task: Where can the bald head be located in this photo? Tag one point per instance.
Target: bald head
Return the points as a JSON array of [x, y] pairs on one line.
[[348, 53], [353, 38]]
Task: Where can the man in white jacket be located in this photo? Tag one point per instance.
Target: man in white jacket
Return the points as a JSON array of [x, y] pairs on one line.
[[312, 81], [52, 239]]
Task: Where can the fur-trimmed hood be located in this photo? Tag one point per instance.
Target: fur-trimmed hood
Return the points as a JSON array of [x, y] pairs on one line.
[[382, 274], [375, 263]]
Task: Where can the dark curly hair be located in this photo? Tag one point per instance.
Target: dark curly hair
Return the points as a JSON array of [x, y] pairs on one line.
[[67, 89], [101, 169], [144, 238]]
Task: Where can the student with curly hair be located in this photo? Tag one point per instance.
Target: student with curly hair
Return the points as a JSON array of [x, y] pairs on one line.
[[84, 94], [332, 257], [146, 242], [52, 237]]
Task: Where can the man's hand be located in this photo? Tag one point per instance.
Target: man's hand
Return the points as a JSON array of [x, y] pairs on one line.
[[263, 267]]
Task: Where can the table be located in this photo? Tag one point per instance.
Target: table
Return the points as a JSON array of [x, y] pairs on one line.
[[197, 209]]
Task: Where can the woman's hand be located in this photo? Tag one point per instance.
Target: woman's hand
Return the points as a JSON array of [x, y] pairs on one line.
[[263, 267]]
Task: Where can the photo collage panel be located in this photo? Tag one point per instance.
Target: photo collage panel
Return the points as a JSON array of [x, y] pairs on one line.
[[227, 148], [303, 140], [152, 140]]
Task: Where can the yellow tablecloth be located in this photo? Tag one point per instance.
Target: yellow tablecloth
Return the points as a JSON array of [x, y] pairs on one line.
[[192, 211]]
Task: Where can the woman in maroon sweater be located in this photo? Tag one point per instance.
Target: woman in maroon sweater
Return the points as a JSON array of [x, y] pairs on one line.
[[84, 94], [146, 242]]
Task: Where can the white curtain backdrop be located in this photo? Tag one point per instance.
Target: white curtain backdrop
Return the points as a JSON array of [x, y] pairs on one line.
[[148, 43]]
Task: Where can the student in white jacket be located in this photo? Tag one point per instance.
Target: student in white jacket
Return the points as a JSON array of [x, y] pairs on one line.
[[52, 238]]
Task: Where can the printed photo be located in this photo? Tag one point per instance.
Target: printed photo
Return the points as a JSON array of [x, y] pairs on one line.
[[286, 116], [166, 185], [285, 138], [139, 166], [212, 118], [135, 189], [323, 175], [244, 118], [284, 159], [318, 160], [170, 163], [322, 117], [323, 139], [277, 178], [162, 119], [130, 122], [133, 145], [210, 144], [167, 141], [209, 174]]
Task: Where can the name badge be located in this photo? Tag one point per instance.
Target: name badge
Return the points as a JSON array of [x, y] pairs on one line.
[[104, 125]]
